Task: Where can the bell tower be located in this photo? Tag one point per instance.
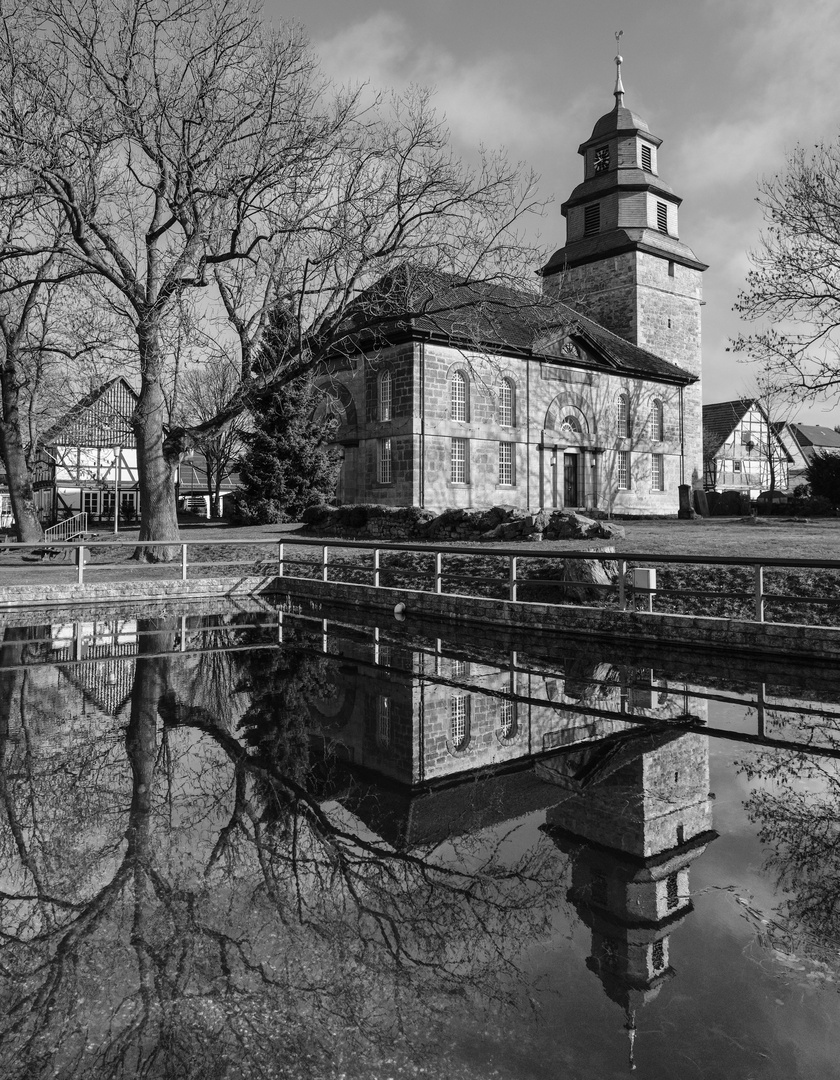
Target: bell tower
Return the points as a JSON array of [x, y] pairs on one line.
[[623, 263]]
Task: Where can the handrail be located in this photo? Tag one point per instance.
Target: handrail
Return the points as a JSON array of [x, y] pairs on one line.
[[510, 579], [65, 530]]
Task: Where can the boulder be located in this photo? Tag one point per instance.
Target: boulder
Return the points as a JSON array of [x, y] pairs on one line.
[[569, 525], [584, 576]]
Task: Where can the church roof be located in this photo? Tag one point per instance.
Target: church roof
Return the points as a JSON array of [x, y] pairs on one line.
[[620, 119], [491, 316]]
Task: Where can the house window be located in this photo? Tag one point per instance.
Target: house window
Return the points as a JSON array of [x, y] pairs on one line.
[[647, 158], [384, 471], [459, 721], [736, 467], [383, 720], [662, 216], [90, 502], [591, 219], [458, 462], [460, 669], [507, 719], [385, 396], [507, 413], [458, 396], [624, 469], [657, 421], [657, 472], [623, 416], [506, 463]]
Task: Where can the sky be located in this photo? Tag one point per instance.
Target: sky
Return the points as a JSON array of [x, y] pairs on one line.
[[730, 86]]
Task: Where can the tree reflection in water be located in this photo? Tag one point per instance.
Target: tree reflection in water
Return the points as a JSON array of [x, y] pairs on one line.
[[796, 804], [176, 900]]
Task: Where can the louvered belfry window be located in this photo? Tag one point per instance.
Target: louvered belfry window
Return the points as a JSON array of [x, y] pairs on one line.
[[591, 219], [662, 216], [647, 159]]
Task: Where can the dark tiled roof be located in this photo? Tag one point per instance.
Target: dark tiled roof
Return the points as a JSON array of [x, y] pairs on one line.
[[192, 476], [721, 419], [816, 435], [490, 316]]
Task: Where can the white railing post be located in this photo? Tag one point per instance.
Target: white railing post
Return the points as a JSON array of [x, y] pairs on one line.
[[80, 559], [183, 561], [622, 585], [280, 559], [512, 577], [376, 568], [438, 571], [759, 594], [324, 564]]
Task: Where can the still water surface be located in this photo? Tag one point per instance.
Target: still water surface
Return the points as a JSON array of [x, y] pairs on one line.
[[252, 844]]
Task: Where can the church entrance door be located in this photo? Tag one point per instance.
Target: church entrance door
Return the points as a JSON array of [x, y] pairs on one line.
[[570, 479]]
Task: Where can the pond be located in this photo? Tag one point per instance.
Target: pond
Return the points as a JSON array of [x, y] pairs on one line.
[[249, 842]]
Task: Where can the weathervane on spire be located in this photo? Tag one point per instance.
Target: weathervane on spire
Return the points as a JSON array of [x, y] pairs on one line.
[[619, 87]]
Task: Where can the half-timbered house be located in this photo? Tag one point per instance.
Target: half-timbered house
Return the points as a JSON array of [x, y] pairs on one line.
[[88, 463]]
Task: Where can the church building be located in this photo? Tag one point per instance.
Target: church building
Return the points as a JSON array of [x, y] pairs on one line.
[[586, 396]]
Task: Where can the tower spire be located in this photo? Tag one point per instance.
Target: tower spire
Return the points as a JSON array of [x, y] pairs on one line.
[[619, 87]]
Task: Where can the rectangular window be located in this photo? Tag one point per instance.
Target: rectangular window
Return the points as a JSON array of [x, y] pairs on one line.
[[662, 216], [657, 472], [458, 721], [383, 720], [624, 469], [736, 466], [506, 463], [647, 158], [90, 502], [384, 472], [460, 669], [672, 890], [591, 219], [670, 268], [458, 462], [658, 955]]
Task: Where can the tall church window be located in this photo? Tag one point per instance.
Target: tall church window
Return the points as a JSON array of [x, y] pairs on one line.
[[458, 396], [591, 219], [623, 469], [459, 721], [657, 472], [662, 216], [507, 404], [657, 421], [385, 399], [647, 158], [623, 417], [506, 463], [458, 467], [507, 719], [383, 720], [384, 464]]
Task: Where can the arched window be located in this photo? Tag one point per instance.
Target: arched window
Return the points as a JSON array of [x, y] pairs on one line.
[[570, 425], [507, 403], [458, 396], [385, 396], [459, 721], [657, 421], [507, 720], [623, 416]]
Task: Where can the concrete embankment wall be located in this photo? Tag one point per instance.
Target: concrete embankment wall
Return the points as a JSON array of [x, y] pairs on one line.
[[727, 635]]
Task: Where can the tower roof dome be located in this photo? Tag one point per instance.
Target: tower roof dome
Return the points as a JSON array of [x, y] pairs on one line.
[[618, 119]]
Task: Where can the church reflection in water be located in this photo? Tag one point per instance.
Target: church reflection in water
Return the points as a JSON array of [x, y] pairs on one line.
[[597, 747]]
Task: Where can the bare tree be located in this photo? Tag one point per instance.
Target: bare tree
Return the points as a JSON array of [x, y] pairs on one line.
[[192, 149], [794, 283]]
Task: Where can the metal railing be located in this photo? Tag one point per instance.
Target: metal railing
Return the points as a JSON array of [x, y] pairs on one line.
[[439, 569], [76, 525]]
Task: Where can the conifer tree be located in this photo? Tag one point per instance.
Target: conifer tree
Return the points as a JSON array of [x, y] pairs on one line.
[[288, 462]]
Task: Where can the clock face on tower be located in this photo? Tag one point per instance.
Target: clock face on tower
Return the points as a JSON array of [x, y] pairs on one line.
[[602, 159]]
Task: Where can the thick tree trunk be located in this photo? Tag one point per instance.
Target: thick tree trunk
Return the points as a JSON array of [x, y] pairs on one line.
[[27, 524], [158, 508]]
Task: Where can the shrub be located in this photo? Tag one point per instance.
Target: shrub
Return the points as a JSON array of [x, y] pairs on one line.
[[823, 474]]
